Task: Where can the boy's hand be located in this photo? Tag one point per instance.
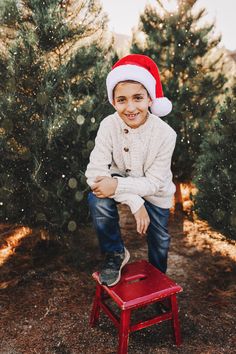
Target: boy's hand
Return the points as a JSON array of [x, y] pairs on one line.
[[142, 220], [104, 186]]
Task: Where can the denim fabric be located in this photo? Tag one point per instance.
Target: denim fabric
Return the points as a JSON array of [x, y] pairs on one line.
[[105, 219], [158, 238], [106, 222]]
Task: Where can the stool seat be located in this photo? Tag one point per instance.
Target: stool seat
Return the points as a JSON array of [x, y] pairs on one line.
[[141, 284]]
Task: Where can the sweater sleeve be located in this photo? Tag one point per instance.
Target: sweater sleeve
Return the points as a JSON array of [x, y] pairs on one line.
[[132, 200], [156, 174], [101, 156]]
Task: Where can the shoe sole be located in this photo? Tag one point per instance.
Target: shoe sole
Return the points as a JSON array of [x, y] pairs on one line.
[[126, 260]]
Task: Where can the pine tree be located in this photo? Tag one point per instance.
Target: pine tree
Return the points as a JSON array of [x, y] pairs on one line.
[[192, 79], [215, 171], [52, 97]]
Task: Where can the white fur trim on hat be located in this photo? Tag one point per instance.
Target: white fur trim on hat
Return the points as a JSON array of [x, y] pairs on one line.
[[130, 72]]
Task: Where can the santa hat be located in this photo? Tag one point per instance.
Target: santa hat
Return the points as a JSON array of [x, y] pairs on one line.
[[142, 69]]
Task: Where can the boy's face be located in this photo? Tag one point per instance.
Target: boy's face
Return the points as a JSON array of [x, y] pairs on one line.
[[131, 102]]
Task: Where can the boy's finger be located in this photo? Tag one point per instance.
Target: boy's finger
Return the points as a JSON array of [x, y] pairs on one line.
[[99, 195], [144, 228], [146, 225], [138, 226], [141, 226], [99, 178]]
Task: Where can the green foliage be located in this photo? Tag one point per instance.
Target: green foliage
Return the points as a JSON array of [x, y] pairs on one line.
[[52, 98], [9, 13], [215, 171], [181, 48]]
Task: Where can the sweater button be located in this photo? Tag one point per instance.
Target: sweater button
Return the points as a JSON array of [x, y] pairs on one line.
[[126, 149], [127, 170], [126, 131]]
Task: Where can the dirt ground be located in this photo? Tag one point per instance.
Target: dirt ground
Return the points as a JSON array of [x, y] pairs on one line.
[[46, 292]]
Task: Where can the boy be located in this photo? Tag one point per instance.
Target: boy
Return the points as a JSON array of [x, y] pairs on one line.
[[130, 164]]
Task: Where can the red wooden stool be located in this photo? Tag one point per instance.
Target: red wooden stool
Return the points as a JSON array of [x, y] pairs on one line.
[[141, 284]]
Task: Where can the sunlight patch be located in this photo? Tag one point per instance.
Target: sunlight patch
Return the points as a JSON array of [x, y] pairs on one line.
[[11, 241]]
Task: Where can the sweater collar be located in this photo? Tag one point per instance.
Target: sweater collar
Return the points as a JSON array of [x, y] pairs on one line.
[[138, 130]]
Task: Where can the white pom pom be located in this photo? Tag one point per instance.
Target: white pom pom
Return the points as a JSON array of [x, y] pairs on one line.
[[161, 106]]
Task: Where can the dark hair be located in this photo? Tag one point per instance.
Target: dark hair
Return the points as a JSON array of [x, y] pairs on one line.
[[131, 82]]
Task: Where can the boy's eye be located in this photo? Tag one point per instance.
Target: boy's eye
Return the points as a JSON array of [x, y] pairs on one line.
[[136, 98]]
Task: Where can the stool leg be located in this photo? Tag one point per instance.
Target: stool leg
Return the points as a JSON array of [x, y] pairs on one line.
[[175, 320], [124, 332], [96, 306]]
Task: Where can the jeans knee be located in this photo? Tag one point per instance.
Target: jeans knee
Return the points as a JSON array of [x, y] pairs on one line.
[[159, 237], [101, 206], [95, 201], [92, 199], [164, 239]]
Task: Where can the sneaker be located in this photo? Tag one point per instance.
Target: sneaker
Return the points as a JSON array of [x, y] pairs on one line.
[[111, 270]]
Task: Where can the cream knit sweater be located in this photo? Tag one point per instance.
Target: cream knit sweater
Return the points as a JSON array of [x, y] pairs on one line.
[[141, 155]]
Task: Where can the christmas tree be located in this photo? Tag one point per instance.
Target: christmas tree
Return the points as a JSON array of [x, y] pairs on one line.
[[192, 79], [215, 171], [53, 67]]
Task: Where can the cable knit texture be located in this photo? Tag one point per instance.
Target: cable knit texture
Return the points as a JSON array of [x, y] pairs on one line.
[[142, 156]]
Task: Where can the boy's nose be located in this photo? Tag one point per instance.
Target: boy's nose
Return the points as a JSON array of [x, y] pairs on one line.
[[130, 107]]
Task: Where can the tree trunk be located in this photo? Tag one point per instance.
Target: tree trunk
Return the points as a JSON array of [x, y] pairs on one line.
[[178, 197]]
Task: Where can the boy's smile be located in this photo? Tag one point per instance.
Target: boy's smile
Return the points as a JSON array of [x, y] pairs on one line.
[[131, 102]]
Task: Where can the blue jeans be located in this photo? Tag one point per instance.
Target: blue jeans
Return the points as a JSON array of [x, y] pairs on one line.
[[105, 219]]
